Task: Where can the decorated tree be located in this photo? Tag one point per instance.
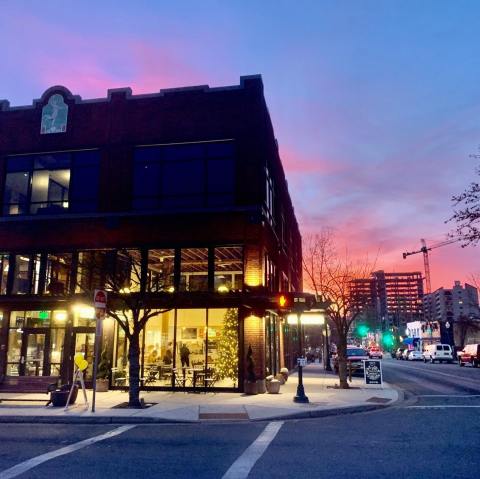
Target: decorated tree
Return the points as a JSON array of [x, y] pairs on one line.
[[227, 362]]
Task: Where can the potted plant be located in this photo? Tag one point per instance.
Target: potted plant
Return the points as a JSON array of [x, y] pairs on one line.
[[273, 385], [103, 371], [251, 381]]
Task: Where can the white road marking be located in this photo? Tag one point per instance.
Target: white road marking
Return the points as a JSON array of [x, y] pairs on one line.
[[430, 407], [35, 461], [241, 468]]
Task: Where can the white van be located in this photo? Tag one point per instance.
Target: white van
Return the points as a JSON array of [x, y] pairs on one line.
[[438, 352]]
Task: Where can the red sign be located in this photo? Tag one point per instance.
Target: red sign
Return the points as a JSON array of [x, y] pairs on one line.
[[100, 299]]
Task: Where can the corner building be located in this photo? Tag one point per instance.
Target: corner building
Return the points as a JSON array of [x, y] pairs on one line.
[[183, 187]]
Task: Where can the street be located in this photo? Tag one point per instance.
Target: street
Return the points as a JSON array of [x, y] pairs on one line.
[[435, 432]]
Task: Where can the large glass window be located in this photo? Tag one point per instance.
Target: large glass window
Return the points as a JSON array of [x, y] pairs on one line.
[[160, 273], [222, 358], [194, 269], [184, 175], [58, 273], [26, 274], [4, 267], [41, 184], [228, 268]]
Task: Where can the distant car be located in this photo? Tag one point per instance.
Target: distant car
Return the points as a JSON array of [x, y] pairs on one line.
[[375, 352], [405, 354], [469, 355], [438, 352], [398, 354], [414, 355], [355, 358]]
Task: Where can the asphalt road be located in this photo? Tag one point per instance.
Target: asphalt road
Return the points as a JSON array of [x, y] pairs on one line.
[[435, 433]]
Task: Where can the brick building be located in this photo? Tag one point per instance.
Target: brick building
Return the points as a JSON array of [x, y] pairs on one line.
[[184, 189]]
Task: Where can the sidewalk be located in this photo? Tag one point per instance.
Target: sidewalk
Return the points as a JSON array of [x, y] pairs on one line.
[[193, 407]]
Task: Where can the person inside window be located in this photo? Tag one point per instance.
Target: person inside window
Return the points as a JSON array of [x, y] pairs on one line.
[[168, 356], [185, 356]]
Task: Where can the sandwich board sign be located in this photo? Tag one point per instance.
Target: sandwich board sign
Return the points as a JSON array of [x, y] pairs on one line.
[[373, 371]]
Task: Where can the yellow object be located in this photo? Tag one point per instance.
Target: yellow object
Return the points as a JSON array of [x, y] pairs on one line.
[[80, 362]]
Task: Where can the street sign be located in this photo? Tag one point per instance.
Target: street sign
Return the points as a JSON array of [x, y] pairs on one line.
[[100, 299], [302, 362], [100, 313], [372, 371]]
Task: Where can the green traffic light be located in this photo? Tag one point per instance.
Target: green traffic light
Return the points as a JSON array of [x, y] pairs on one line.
[[362, 330], [388, 339]]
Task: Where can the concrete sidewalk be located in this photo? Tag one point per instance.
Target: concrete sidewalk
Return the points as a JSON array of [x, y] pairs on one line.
[[193, 407]]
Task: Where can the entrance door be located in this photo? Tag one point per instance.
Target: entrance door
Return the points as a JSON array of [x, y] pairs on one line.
[[34, 353], [84, 342]]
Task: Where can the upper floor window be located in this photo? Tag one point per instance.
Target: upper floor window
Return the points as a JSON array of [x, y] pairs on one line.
[[269, 197], [184, 176], [51, 183]]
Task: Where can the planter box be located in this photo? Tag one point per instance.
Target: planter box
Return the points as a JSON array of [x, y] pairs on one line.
[[250, 388], [102, 385], [273, 386], [261, 386]]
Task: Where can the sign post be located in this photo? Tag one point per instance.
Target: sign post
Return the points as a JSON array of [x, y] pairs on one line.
[[100, 303], [373, 372]]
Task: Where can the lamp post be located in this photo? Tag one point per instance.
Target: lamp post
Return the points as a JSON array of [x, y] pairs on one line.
[[300, 396]]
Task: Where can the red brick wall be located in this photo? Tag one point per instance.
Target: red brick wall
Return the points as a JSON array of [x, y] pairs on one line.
[[254, 336]]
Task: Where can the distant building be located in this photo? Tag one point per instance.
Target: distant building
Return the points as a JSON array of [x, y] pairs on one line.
[[456, 308], [391, 299]]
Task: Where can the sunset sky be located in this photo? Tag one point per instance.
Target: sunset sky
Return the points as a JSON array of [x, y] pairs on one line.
[[375, 104]]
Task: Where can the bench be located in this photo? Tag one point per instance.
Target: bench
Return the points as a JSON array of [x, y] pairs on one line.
[[27, 384]]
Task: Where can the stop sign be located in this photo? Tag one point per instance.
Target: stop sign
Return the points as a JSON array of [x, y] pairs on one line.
[[100, 298]]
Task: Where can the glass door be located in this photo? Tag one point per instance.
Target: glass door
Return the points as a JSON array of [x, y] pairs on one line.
[[84, 342], [33, 357]]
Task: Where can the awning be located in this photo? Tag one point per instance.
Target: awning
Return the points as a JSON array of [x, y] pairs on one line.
[[411, 340]]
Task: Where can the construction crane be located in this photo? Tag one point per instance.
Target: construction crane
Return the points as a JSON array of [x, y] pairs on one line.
[[425, 249]]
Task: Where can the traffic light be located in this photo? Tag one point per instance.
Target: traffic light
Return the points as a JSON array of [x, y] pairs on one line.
[[387, 339], [295, 301], [362, 330]]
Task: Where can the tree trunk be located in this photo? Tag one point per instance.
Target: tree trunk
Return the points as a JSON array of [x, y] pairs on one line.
[[134, 371], [342, 361]]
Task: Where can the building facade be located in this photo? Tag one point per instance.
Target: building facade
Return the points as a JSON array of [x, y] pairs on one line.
[[389, 299], [456, 308], [182, 193]]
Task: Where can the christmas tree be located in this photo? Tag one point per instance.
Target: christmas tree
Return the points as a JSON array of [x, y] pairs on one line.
[[227, 362]]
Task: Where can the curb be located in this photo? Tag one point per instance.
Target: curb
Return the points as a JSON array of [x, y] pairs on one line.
[[157, 420]]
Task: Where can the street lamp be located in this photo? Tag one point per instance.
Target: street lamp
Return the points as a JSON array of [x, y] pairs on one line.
[[300, 396]]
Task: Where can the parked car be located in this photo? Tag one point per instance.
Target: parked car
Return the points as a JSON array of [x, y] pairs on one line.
[[398, 354], [469, 355], [405, 354], [438, 352], [355, 358], [375, 352], [414, 355]]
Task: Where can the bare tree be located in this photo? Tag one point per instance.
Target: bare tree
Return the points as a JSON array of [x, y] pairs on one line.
[[330, 276], [467, 216], [120, 273]]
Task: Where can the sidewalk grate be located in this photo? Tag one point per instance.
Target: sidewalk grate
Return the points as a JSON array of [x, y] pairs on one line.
[[223, 415]]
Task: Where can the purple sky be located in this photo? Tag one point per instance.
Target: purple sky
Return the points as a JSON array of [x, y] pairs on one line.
[[375, 104]]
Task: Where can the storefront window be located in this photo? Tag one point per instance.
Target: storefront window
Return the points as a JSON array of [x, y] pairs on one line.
[[27, 273], [14, 352], [228, 268], [57, 340], [58, 273], [84, 315], [222, 347], [128, 271], [30, 319], [91, 270], [194, 269], [160, 270], [4, 266], [158, 357]]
